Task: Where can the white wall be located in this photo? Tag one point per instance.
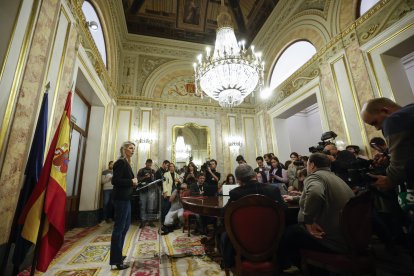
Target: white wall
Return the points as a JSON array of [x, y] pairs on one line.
[[408, 63], [91, 172], [304, 131]]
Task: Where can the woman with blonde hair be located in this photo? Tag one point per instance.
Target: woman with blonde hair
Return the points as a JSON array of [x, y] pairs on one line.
[[124, 181]]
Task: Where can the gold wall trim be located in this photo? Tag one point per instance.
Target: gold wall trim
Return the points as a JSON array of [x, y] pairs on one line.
[[6, 56], [190, 125], [338, 94], [357, 107], [116, 127], [371, 61], [24, 51], [61, 65], [245, 135]]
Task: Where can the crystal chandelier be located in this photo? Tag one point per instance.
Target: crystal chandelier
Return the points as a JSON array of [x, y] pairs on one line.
[[230, 73], [182, 150], [235, 142]]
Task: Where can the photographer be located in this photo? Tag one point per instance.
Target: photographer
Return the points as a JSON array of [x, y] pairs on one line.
[[147, 196], [212, 178], [397, 125], [341, 161]]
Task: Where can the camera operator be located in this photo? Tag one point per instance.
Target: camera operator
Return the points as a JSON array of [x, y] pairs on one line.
[[397, 125], [212, 178], [341, 161]]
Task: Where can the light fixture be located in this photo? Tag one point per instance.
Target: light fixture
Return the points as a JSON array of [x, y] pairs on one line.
[[265, 93], [182, 150], [92, 25], [145, 138], [234, 142], [230, 73]]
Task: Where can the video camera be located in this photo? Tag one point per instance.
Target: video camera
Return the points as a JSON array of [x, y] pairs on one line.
[[205, 166], [326, 139], [359, 170]]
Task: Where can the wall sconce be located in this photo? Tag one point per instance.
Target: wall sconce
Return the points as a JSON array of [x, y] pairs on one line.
[[92, 25], [234, 142], [145, 138]]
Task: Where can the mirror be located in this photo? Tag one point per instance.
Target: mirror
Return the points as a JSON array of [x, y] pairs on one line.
[[190, 141]]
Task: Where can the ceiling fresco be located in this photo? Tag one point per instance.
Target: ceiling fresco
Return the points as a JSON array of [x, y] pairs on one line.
[[194, 20]]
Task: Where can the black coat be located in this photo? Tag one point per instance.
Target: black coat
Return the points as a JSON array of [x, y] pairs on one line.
[[254, 187], [122, 180]]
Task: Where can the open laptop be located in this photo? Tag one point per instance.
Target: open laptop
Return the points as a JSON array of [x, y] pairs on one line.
[[227, 188]]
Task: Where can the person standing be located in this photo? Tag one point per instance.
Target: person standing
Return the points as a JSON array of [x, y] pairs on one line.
[[397, 125], [171, 179], [212, 179], [147, 195], [124, 181], [107, 192]]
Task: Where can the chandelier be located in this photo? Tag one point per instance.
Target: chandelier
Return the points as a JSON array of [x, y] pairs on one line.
[[230, 73], [235, 142], [182, 150]]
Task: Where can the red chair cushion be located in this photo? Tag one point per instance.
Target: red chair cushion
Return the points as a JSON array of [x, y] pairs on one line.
[[253, 229], [187, 214], [339, 261], [257, 267]]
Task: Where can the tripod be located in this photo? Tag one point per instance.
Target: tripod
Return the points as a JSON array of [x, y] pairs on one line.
[[159, 212]]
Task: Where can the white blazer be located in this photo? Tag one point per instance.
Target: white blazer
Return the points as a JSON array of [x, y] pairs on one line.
[[168, 182]]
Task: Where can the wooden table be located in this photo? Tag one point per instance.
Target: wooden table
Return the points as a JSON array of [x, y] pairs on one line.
[[213, 207]]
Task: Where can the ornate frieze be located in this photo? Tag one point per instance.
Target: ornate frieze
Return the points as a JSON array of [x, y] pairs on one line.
[[183, 104]]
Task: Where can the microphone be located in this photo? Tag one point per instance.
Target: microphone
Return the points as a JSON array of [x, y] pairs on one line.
[[151, 183]]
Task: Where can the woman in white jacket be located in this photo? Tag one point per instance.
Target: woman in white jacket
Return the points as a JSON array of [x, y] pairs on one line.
[[171, 178]]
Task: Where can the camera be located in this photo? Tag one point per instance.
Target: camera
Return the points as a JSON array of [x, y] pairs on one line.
[[205, 166], [359, 170], [326, 139]]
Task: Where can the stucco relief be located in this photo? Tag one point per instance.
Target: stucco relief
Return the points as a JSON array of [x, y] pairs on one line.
[[146, 65], [332, 107], [128, 74], [174, 53], [181, 86], [360, 76], [23, 123]]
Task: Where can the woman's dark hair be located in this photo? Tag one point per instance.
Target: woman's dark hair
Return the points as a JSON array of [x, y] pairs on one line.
[[227, 178], [294, 154], [193, 165], [287, 163]]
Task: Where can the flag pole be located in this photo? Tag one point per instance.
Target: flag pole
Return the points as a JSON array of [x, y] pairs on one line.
[[42, 221], [12, 236]]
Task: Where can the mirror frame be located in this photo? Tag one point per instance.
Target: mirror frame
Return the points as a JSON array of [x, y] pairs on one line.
[[174, 138]]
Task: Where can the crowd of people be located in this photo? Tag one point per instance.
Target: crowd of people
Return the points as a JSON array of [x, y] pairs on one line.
[[321, 184]]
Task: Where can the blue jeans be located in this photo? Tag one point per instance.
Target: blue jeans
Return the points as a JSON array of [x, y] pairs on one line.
[[121, 226], [107, 204], [143, 203]]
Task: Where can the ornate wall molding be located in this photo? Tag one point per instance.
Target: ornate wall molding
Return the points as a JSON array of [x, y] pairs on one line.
[[182, 104]]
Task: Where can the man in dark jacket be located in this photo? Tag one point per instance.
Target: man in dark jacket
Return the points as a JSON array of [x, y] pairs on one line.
[[397, 125], [248, 186]]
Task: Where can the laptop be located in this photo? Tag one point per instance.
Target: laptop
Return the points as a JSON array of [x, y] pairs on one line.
[[227, 188]]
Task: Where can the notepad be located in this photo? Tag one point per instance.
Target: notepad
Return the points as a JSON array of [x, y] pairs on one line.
[[227, 188]]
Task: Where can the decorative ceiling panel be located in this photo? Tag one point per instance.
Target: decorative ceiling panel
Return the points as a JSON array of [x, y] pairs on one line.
[[194, 20]]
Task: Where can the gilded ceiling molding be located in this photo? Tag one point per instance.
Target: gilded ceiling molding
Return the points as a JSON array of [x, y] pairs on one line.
[[183, 104], [154, 49]]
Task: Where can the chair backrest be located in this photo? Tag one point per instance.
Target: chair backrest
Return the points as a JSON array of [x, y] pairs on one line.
[[356, 222], [255, 224]]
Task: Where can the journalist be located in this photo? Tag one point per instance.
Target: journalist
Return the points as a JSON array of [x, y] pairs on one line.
[[397, 125], [212, 178], [341, 161]]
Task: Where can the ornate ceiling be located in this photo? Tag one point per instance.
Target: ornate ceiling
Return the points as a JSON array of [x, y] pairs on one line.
[[194, 20]]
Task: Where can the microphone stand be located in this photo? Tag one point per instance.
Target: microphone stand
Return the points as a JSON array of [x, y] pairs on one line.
[[159, 211]]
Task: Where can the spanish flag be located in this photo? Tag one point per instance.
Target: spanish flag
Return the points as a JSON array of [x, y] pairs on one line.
[[49, 196]]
